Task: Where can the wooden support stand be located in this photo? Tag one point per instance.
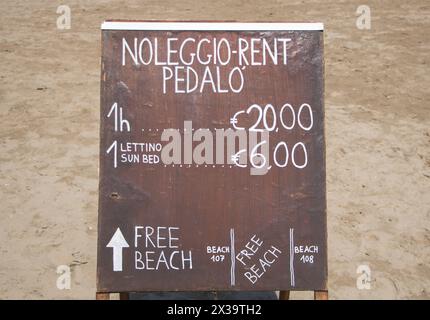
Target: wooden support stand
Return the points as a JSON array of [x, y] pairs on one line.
[[106, 296], [318, 295], [283, 295], [321, 295], [102, 296]]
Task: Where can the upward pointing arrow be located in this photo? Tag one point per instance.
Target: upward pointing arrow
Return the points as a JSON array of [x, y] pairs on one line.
[[117, 243]]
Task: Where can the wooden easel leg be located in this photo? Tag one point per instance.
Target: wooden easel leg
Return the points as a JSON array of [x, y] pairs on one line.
[[124, 296], [321, 295], [102, 296], [284, 295]]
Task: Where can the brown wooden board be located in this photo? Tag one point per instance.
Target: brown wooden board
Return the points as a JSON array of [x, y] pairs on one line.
[[202, 222]]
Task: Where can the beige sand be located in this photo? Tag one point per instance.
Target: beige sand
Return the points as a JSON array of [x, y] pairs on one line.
[[378, 139]]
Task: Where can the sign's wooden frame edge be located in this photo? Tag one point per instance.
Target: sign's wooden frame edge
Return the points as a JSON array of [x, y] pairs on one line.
[[211, 26]]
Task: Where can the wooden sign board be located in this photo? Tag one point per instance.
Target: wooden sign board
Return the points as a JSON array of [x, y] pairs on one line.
[[212, 157]]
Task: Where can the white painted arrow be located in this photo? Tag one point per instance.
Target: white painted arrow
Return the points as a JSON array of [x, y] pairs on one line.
[[117, 243]]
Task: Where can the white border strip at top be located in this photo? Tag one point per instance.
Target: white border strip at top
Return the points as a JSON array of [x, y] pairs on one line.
[[212, 26]]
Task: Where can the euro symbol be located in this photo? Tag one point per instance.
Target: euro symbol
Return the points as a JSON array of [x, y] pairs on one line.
[[235, 158], [234, 121]]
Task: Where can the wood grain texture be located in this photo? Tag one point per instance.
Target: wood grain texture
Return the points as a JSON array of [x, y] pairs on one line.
[[206, 202]]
